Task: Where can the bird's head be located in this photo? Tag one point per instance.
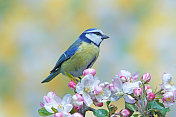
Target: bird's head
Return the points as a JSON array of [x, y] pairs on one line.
[[94, 35]]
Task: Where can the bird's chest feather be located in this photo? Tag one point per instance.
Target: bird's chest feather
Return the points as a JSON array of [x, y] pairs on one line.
[[81, 59]]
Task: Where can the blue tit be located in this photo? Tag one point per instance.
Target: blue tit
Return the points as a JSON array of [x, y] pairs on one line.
[[80, 55]]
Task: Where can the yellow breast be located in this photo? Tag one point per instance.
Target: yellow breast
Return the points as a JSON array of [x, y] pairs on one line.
[[81, 59]]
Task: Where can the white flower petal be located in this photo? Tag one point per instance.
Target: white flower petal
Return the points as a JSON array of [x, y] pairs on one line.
[[107, 93], [116, 81], [66, 99], [87, 80], [166, 78], [87, 99], [114, 97], [60, 110], [51, 94], [67, 107], [57, 99], [128, 87], [96, 81], [79, 88], [129, 99], [48, 107], [99, 98]]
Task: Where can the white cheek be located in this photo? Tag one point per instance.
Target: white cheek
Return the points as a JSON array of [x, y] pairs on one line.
[[95, 38]]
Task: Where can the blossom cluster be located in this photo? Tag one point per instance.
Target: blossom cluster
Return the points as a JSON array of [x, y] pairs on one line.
[[137, 93]]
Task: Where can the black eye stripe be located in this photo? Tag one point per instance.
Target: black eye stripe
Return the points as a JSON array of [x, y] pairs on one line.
[[97, 33]]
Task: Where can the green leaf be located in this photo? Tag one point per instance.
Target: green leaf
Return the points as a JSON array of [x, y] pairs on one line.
[[135, 115], [165, 110], [158, 108], [44, 112], [130, 106], [154, 105], [55, 110], [101, 113], [159, 97], [73, 111], [108, 102]]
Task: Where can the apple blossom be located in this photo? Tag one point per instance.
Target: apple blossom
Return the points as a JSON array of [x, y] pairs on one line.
[[146, 77], [122, 90], [89, 71], [124, 75], [124, 113], [89, 90], [77, 101], [150, 96], [169, 98], [86, 87], [167, 82], [72, 85], [137, 92], [166, 78], [51, 100], [101, 94]]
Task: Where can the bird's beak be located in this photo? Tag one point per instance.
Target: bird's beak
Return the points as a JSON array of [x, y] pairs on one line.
[[105, 37]]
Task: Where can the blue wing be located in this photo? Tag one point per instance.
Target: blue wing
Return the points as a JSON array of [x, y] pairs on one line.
[[67, 54]]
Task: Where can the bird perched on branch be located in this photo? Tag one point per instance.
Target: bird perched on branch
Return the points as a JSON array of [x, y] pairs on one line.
[[80, 55]]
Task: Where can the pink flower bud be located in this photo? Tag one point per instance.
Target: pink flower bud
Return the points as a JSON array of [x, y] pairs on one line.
[[150, 96], [97, 89], [72, 85], [124, 113], [41, 104], [89, 71], [146, 77], [137, 92], [77, 115], [58, 115], [79, 97], [123, 79], [46, 99]]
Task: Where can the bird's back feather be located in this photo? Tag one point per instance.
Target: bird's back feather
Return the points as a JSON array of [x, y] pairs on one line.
[[67, 54]]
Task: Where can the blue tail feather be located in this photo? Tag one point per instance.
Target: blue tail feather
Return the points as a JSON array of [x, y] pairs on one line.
[[51, 76]]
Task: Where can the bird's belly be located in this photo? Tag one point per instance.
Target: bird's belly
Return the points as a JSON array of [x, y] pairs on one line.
[[80, 60]]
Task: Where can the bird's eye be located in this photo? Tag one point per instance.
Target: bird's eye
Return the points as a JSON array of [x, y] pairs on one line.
[[98, 33]]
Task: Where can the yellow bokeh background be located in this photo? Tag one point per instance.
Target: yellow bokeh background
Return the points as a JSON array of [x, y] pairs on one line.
[[34, 33]]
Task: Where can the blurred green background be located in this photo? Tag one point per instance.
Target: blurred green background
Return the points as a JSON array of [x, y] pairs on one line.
[[34, 33]]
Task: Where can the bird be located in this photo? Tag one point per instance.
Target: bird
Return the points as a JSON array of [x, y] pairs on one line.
[[81, 55]]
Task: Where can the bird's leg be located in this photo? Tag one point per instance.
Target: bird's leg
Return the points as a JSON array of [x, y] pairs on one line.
[[71, 77]]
